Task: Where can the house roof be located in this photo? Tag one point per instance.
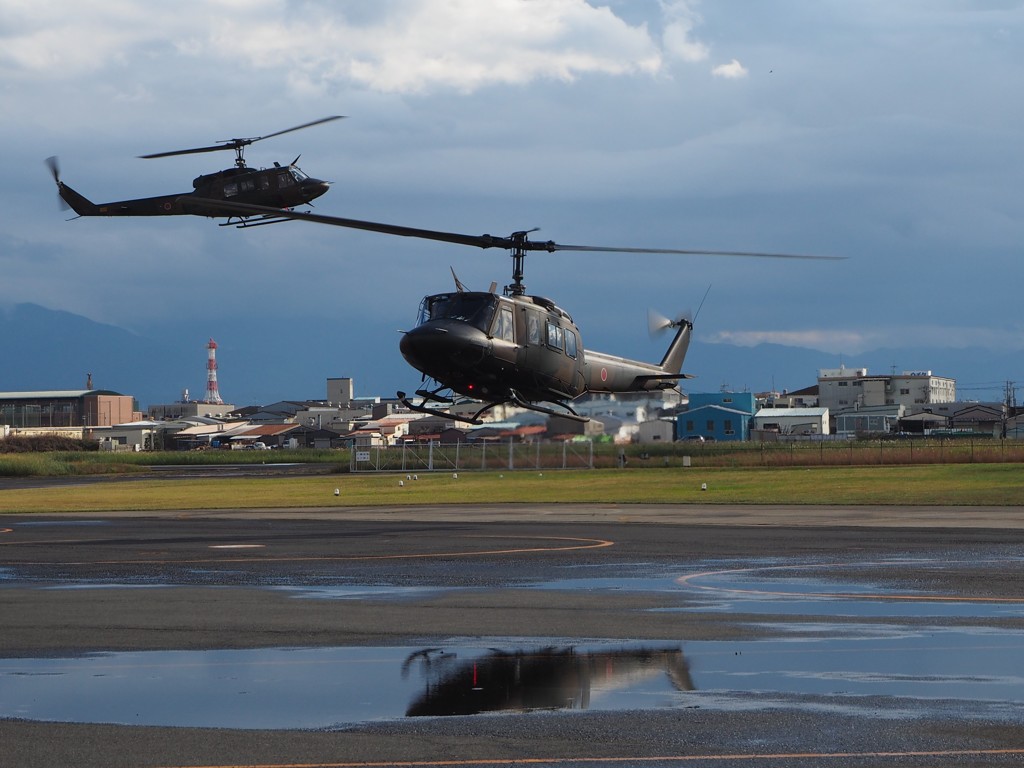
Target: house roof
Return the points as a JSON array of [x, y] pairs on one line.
[[230, 428], [56, 394], [723, 409], [268, 430], [791, 413]]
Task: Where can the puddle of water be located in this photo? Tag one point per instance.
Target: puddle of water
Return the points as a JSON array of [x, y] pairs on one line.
[[324, 687], [358, 591], [666, 583], [935, 663], [743, 593], [328, 687], [61, 523]]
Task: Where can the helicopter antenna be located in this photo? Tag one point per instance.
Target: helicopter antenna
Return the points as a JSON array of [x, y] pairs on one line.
[[701, 303]]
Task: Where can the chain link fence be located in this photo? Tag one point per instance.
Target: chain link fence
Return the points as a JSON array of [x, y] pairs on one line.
[[453, 457]]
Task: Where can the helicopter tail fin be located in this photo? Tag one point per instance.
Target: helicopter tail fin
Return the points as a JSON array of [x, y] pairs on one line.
[[672, 362], [79, 203]]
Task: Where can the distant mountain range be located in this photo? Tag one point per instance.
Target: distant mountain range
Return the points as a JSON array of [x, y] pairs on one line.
[[265, 361]]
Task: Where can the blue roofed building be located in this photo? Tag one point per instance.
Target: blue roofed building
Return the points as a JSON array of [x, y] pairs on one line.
[[716, 416]]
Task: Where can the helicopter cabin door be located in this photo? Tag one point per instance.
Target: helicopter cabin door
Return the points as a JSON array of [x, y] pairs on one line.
[[503, 333], [544, 355]]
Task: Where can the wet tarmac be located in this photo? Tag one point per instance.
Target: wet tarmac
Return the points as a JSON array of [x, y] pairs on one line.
[[280, 688], [907, 645]]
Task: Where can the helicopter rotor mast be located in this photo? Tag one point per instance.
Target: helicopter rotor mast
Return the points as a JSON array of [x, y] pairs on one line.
[[239, 145]]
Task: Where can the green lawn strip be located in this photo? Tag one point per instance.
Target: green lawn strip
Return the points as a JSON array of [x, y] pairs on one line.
[[958, 484]]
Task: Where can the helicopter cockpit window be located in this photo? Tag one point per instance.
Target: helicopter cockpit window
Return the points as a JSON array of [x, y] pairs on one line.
[[475, 310], [285, 180], [570, 343], [298, 175], [554, 336], [503, 325], [230, 190]]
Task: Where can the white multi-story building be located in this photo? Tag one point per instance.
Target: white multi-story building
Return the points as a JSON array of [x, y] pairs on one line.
[[842, 389]]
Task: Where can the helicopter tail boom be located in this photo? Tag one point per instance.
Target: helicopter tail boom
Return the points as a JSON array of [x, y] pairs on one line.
[[610, 373]]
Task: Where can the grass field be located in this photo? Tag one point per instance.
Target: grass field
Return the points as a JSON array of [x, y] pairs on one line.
[[942, 484]]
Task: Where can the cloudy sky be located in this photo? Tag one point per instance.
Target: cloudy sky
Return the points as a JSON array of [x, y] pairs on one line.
[[885, 132]]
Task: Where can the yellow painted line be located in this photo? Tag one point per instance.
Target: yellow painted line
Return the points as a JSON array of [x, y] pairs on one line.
[[938, 753], [688, 581], [578, 544]]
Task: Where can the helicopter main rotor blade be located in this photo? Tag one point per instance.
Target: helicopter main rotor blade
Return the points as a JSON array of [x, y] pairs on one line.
[[244, 209], [299, 127], [235, 144], [197, 150], [692, 252], [516, 242]]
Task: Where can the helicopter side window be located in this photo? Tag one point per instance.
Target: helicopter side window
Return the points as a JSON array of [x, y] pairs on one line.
[[570, 343], [503, 325], [554, 336], [265, 183], [532, 329], [247, 185], [230, 190], [285, 180]]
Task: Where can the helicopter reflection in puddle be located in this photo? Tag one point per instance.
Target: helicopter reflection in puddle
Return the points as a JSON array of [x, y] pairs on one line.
[[546, 678]]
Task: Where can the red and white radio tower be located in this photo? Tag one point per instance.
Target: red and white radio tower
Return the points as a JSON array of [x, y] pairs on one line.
[[212, 392]]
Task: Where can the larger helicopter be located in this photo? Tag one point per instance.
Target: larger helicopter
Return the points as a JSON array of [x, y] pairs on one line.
[[491, 349], [276, 187]]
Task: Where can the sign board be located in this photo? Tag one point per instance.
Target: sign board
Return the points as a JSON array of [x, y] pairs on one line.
[[362, 455]]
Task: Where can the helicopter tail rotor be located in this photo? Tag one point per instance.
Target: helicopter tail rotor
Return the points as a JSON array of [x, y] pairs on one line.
[[657, 323], [54, 165]]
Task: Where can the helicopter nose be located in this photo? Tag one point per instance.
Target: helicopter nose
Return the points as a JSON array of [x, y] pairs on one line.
[[316, 187], [443, 346]]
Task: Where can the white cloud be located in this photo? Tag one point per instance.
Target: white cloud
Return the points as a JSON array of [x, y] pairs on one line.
[[680, 20], [867, 339], [820, 339], [731, 71], [403, 46]]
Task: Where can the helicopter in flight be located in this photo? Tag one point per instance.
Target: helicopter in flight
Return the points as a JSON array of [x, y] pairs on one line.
[[494, 349], [277, 187]]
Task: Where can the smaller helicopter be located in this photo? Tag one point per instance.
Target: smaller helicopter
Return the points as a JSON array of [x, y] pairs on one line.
[[277, 187], [511, 348]]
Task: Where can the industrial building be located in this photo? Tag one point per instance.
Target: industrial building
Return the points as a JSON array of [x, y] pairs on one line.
[[803, 422], [844, 388], [69, 409]]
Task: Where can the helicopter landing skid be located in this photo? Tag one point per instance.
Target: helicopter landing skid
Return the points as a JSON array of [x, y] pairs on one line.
[[568, 413], [253, 221], [514, 399], [422, 407]]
